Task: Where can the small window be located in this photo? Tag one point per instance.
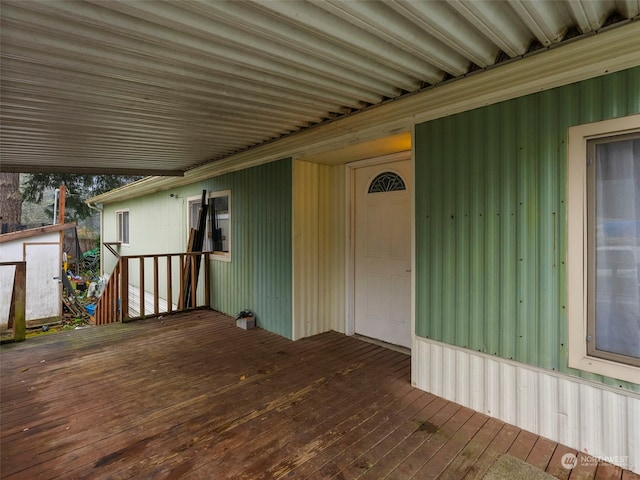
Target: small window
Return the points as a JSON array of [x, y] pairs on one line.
[[217, 237], [387, 182], [603, 248], [613, 242], [122, 227]]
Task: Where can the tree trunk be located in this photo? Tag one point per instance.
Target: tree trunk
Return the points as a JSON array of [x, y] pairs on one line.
[[10, 201]]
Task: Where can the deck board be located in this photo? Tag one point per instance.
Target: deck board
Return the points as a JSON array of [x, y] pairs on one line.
[[192, 396]]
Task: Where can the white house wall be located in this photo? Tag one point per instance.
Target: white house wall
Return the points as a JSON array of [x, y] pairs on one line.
[[318, 248], [156, 224]]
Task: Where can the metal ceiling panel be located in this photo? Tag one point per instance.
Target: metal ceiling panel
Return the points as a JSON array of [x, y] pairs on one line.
[[162, 87]]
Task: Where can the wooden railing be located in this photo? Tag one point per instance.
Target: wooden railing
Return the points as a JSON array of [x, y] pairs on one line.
[[181, 275], [17, 320]]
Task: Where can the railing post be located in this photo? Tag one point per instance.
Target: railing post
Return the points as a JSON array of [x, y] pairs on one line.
[[124, 290], [169, 286], [207, 280], [116, 308], [192, 297], [142, 312], [156, 294], [182, 284], [18, 302]]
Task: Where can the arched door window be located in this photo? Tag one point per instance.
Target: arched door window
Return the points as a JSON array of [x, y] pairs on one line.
[[387, 182]]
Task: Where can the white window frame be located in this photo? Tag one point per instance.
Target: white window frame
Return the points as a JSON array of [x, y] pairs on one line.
[[119, 232], [577, 253], [221, 256]]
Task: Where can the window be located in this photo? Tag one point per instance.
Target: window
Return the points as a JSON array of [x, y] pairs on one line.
[[218, 227], [603, 194], [387, 182], [613, 243], [122, 227]]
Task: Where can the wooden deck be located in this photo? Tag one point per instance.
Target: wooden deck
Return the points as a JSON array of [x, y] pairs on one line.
[[193, 396]]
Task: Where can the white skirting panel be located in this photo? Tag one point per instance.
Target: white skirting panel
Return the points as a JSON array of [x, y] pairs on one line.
[[596, 419], [134, 302]]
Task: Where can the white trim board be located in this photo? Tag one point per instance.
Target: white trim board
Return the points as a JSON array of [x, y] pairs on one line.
[[599, 420]]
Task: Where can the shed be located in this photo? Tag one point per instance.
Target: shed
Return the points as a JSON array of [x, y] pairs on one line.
[[41, 248]]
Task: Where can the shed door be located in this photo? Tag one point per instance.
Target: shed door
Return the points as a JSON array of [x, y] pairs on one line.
[[43, 289], [383, 252]]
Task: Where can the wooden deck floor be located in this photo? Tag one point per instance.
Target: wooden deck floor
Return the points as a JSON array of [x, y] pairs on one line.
[[193, 396]]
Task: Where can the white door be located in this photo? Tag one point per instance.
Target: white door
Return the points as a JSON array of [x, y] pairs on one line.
[[43, 300], [383, 252]]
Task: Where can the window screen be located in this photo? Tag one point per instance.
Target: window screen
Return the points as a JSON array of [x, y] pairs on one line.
[[614, 249]]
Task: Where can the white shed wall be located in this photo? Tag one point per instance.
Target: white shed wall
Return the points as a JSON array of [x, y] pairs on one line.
[[44, 262]]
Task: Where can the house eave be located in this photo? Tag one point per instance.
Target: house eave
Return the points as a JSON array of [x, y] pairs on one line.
[[607, 51]]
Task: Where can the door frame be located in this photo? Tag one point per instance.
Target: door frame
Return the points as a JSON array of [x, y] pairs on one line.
[[350, 244]]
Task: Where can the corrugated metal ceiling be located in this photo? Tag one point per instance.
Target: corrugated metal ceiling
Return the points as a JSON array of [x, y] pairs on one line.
[[161, 87]]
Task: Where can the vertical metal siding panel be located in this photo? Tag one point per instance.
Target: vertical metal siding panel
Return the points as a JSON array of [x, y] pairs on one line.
[[423, 240], [508, 393], [259, 274], [449, 230], [528, 223], [448, 366], [305, 206], [462, 378], [461, 222], [331, 301], [477, 384], [318, 207], [590, 420], [492, 242], [314, 200], [611, 420], [555, 348], [234, 279], [614, 90], [477, 247], [569, 413], [435, 370], [434, 232], [272, 259], [632, 102], [633, 438], [543, 342], [506, 155], [546, 406], [527, 397], [502, 276], [493, 377]]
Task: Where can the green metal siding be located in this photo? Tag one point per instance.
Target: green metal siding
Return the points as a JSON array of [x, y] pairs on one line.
[[491, 220], [259, 274]]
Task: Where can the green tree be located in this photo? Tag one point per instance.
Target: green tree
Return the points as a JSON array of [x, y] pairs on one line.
[[79, 189], [10, 200]]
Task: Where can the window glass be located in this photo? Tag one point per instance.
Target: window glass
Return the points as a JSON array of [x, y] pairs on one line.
[[220, 222], [194, 214], [123, 227], [217, 237], [387, 182], [614, 249]]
